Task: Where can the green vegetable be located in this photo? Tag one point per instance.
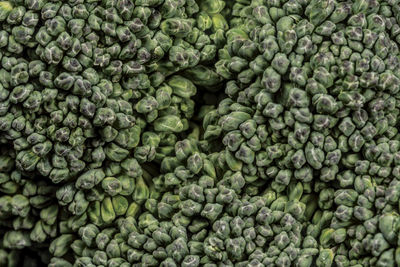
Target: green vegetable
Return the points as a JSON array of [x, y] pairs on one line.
[[199, 133]]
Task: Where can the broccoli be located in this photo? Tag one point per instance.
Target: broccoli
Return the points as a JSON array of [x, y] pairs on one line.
[[199, 133]]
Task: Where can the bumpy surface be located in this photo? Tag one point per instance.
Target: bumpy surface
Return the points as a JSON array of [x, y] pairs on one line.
[[199, 133]]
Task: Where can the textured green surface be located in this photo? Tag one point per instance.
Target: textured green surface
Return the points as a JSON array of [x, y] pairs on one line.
[[199, 133]]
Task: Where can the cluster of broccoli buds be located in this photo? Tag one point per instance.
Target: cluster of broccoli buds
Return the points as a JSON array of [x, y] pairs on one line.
[[89, 92], [319, 80], [199, 133]]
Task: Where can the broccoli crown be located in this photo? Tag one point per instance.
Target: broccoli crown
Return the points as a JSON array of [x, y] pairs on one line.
[[199, 133]]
